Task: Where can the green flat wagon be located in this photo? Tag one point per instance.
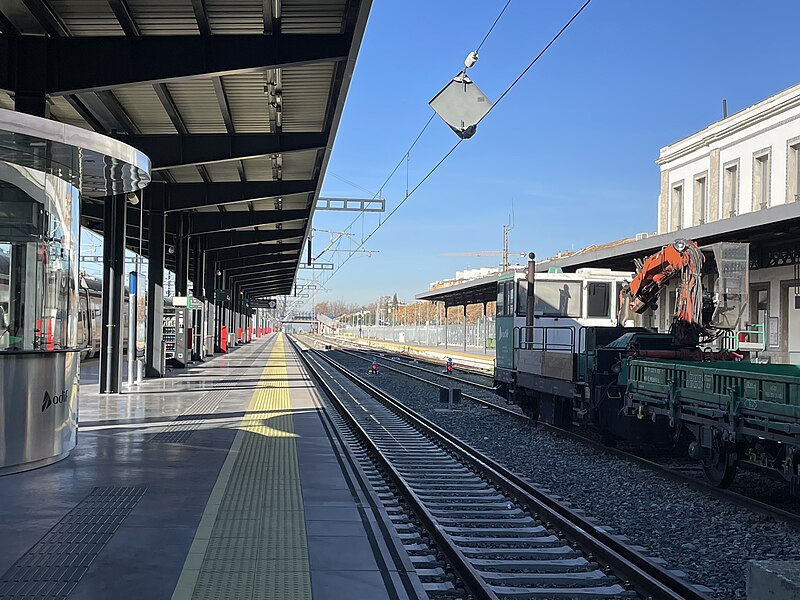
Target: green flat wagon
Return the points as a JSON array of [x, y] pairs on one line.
[[734, 412]]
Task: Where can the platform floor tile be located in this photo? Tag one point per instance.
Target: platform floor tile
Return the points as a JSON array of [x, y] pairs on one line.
[[251, 541]]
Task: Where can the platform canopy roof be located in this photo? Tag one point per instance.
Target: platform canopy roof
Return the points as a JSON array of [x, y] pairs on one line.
[[473, 291], [236, 104], [773, 234]]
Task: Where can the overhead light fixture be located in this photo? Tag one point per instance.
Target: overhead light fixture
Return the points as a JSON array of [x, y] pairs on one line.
[[219, 272], [171, 249], [133, 198]]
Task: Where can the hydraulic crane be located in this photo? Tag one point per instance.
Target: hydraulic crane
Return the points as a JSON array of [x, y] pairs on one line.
[[694, 308]]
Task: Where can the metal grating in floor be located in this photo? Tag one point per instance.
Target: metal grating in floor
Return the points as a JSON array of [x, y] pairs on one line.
[[55, 565], [182, 428], [251, 541]]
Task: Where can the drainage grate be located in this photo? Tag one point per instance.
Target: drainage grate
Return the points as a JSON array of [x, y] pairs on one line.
[[180, 430], [55, 565]]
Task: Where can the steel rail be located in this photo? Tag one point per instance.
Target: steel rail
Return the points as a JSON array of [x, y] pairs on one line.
[[482, 386], [460, 564], [734, 498], [431, 361], [644, 575]]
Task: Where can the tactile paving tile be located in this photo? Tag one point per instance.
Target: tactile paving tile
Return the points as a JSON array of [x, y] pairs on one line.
[[182, 428], [256, 546], [56, 563]]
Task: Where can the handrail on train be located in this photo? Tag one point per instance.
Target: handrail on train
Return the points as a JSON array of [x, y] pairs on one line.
[[545, 342]]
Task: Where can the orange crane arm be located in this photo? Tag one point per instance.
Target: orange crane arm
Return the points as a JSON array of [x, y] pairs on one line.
[[684, 259]]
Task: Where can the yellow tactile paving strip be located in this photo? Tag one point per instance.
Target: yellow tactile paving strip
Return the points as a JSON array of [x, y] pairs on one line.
[[251, 541]]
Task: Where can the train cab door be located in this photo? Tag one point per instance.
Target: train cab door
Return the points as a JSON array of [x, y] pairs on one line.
[[84, 321]]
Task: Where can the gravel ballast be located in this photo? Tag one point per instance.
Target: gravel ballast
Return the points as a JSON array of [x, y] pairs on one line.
[[709, 539]]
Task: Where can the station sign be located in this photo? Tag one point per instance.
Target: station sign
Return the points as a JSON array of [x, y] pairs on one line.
[[270, 303], [224, 295], [189, 302]]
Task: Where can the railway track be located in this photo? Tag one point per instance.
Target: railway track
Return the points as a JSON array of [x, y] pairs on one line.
[[485, 372], [381, 355], [501, 536], [688, 477]]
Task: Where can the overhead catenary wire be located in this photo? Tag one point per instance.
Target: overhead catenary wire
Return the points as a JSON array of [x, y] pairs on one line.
[[488, 33], [458, 143], [536, 58], [407, 155]]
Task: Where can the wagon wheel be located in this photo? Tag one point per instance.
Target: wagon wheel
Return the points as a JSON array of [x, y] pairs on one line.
[[718, 467]]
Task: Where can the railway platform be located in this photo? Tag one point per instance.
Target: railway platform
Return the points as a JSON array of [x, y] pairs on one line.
[[228, 480], [468, 359]]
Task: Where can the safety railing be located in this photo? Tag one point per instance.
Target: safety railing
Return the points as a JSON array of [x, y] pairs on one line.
[[546, 339], [752, 337]]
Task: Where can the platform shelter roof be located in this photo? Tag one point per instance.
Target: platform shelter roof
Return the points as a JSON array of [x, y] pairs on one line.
[[773, 234], [236, 105], [472, 291]]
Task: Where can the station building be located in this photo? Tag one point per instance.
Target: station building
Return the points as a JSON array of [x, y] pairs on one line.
[[737, 180]]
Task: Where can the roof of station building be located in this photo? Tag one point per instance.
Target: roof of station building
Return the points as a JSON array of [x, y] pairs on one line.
[[235, 103]]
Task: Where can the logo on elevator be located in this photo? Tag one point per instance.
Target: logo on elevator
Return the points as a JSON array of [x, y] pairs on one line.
[[49, 400]]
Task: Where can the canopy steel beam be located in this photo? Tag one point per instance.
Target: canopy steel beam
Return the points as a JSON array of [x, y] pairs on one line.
[[201, 16], [47, 17], [216, 241], [260, 277], [168, 151], [266, 289], [124, 60], [279, 279], [186, 196], [210, 222], [277, 290], [260, 250], [123, 14], [240, 264]]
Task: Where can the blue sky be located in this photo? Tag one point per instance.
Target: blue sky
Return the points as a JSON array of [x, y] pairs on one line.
[[572, 146]]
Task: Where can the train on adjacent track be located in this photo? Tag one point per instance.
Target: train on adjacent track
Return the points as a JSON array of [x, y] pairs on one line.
[[90, 303], [90, 319], [573, 351]]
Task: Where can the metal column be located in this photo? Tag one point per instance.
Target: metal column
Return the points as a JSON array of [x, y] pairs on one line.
[[220, 310], [182, 258], [209, 281], [114, 227], [198, 291], [445, 325], [465, 328], [485, 328], [529, 314], [30, 85], [233, 314], [154, 354]]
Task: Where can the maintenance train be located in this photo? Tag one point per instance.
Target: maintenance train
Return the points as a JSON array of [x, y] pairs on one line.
[[579, 350]]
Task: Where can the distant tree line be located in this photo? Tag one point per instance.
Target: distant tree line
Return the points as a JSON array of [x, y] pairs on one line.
[[392, 311]]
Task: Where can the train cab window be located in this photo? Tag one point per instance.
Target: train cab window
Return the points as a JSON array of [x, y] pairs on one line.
[[522, 297], [501, 299], [558, 299], [598, 300], [509, 298]]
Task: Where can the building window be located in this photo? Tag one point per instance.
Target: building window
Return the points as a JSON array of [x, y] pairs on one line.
[[793, 172], [761, 173], [759, 310], [676, 212], [700, 212], [730, 190]]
